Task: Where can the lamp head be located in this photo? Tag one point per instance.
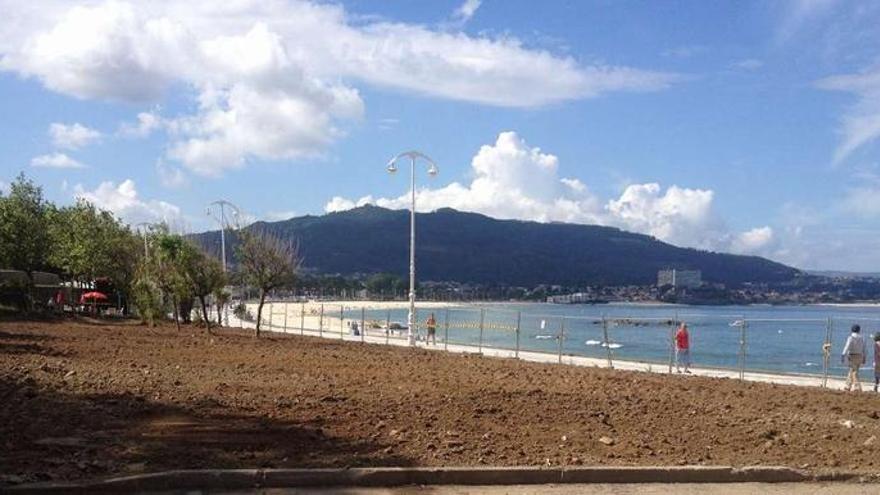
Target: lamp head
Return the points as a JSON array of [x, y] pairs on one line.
[[392, 167], [432, 170]]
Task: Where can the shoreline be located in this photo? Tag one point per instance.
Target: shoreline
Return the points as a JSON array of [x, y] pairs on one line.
[[357, 304]]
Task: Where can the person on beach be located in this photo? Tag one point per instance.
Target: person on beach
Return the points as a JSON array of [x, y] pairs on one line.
[[854, 355], [876, 360], [682, 349], [431, 324]]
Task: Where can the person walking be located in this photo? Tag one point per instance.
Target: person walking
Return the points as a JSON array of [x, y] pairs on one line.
[[876, 360], [431, 324], [854, 356], [682, 349]]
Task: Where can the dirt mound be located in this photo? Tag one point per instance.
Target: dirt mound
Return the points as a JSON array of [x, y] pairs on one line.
[[80, 400]]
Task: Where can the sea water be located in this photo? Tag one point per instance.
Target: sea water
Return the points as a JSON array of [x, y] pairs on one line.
[[786, 339]]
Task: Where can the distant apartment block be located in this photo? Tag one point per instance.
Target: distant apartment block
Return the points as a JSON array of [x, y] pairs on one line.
[[687, 279], [577, 297]]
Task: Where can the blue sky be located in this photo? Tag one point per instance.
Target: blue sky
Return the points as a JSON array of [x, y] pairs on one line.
[[748, 127]]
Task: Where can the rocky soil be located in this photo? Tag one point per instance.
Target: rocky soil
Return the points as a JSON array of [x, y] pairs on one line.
[[80, 400]]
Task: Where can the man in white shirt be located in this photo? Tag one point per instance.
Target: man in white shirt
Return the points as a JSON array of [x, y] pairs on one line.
[[854, 354]]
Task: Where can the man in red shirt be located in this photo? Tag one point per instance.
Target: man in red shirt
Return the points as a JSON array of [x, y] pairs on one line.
[[682, 349]]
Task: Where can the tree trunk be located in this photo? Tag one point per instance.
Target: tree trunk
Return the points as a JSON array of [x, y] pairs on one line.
[[219, 314], [205, 313], [260, 312], [176, 312]]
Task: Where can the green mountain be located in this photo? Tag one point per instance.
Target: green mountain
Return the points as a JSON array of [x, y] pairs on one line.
[[469, 247]]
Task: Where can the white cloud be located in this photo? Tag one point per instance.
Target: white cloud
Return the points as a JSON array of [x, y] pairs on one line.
[[515, 181], [861, 123], [863, 201], [685, 51], [748, 64], [799, 14], [273, 79], [55, 160], [466, 10], [72, 137], [679, 215], [147, 123], [755, 241], [124, 201], [171, 176]]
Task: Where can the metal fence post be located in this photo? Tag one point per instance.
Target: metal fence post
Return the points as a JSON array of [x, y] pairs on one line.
[[302, 318], [342, 322], [561, 337], [271, 315], [742, 349], [672, 342], [415, 329], [321, 322], [387, 325], [607, 342], [363, 322], [826, 351], [482, 320], [518, 320], [446, 331]]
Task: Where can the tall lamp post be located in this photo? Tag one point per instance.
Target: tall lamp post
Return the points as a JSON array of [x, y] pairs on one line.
[[217, 210], [144, 226], [432, 171]]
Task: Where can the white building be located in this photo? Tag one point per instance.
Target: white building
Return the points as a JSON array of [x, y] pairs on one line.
[[687, 279]]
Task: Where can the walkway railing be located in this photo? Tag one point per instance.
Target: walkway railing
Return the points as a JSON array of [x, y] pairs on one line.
[[733, 343]]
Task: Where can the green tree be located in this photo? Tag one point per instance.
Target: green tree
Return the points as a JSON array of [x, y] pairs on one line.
[[266, 263], [384, 284], [24, 236], [87, 243], [169, 262], [221, 299], [146, 294], [205, 275]]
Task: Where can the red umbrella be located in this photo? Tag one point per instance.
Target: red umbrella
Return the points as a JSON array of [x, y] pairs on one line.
[[93, 296]]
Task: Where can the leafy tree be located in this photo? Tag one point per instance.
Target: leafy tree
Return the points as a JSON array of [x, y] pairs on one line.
[[170, 268], [147, 295], [266, 263], [87, 243], [221, 298], [384, 283], [24, 236], [205, 275]]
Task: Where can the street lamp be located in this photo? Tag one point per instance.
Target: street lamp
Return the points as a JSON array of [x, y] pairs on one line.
[[145, 226], [221, 205], [432, 171]]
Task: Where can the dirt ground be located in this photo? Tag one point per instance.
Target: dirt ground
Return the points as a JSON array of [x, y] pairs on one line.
[[80, 400]]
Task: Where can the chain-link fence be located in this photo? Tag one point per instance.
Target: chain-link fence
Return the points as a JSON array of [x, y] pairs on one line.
[[719, 344]]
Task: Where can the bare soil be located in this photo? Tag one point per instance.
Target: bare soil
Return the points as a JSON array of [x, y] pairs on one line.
[[80, 400]]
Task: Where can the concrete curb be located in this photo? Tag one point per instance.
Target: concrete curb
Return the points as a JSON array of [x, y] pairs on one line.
[[391, 477]]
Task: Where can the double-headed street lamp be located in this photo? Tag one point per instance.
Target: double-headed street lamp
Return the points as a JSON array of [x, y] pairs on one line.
[[432, 171], [217, 210]]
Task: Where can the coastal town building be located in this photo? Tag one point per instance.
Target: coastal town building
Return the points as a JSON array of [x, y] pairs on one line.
[[678, 279]]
